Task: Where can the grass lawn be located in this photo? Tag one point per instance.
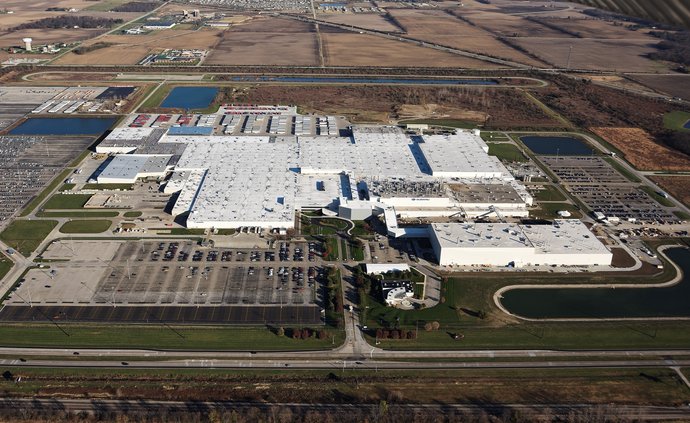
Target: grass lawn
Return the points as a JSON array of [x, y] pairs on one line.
[[676, 120], [67, 187], [85, 226], [357, 252], [158, 336], [132, 214], [550, 211], [549, 193], [362, 229], [451, 123], [5, 265], [656, 196], [344, 250], [507, 152], [26, 235], [157, 97], [122, 187], [42, 196], [465, 298], [67, 201], [494, 136], [83, 214], [331, 253]]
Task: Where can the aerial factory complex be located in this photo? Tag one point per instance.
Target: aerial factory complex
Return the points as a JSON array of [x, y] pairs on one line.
[[344, 211], [224, 178]]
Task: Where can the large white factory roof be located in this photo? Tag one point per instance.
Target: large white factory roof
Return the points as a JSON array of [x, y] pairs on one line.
[[563, 238], [124, 140], [461, 155], [248, 179], [252, 180], [129, 167]]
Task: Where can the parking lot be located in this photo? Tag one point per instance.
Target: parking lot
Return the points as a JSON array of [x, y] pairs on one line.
[[603, 189], [174, 273], [28, 163]]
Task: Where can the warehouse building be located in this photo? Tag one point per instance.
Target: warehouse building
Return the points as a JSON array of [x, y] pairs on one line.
[[563, 243], [230, 181]]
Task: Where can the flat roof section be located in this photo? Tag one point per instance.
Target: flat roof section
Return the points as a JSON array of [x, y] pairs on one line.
[[461, 155]]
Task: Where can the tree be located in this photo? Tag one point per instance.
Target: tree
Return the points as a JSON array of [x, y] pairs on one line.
[[281, 331], [428, 327], [297, 334], [482, 314], [435, 325], [306, 333]]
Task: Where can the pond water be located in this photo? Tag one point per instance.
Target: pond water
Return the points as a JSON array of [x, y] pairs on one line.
[[190, 98], [687, 125], [63, 126], [552, 303], [564, 146]]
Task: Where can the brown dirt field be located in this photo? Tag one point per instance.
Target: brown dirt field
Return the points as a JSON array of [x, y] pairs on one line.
[[67, 76], [345, 49], [387, 103], [618, 81], [594, 54], [677, 186], [114, 55], [48, 36], [509, 25], [435, 111], [204, 38], [439, 27], [621, 258], [674, 85], [265, 48], [595, 28], [130, 49], [641, 151], [269, 24], [362, 20]]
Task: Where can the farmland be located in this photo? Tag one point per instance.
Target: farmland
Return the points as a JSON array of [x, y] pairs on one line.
[[677, 186], [641, 151], [267, 41], [345, 49]]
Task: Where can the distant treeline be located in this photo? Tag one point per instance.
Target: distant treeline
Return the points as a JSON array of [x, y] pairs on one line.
[[92, 47], [136, 6], [70, 21], [674, 47], [675, 12]]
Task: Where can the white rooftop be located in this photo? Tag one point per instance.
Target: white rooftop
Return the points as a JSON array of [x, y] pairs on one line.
[[461, 155], [563, 237]]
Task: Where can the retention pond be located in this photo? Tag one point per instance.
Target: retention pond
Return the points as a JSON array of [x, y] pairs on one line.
[[552, 145], [189, 98], [561, 303]]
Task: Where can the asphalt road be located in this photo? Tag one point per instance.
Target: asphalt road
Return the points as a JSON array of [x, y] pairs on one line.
[[357, 363]]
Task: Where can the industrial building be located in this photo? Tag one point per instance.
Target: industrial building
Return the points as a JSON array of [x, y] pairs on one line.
[[230, 181], [563, 243]]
